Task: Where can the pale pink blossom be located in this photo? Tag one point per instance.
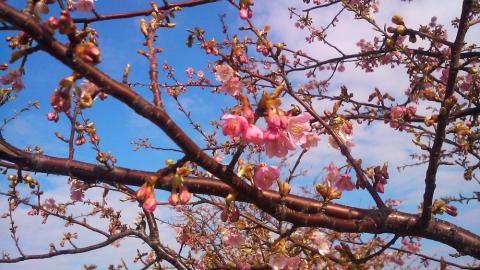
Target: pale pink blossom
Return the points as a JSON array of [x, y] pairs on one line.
[[233, 86], [265, 175], [277, 143], [331, 169], [244, 266], [234, 125], [243, 13], [232, 238], [410, 245], [344, 182], [223, 72], [299, 128], [83, 5], [320, 240], [189, 71], [52, 116], [281, 262]]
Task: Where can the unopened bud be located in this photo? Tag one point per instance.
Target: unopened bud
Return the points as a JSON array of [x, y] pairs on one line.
[[397, 19]]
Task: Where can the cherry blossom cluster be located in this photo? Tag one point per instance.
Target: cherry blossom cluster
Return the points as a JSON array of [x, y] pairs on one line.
[[285, 130], [401, 115]]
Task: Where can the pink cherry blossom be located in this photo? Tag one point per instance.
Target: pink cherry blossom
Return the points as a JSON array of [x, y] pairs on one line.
[[232, 238], [52, 116], [320, 240], [218, 157], [344, 182], [233, 86], [83, 5], [410, 245], [223, 73], [264, 176], [331, 169], [277, 143], [298, 128], [253, 134], [243, 13], [397, 112], [234, 125], [281, 262], [276, 121]]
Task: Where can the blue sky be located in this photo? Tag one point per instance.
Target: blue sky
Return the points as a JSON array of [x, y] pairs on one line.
[[117, 125]]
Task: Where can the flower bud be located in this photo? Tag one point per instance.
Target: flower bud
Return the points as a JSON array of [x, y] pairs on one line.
[[184, 195], [397, 19], [173, 199]]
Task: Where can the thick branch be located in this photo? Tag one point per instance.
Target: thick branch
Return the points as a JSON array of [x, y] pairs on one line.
[[335, 216], [376, 221]]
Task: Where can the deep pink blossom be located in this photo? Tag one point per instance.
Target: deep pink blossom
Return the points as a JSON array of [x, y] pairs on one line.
[[149, 204], [234, 125], [253, 134], [264, 176], [277, 121]]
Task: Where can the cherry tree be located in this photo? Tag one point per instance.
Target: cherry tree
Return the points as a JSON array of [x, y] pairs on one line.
[[239, 189]]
